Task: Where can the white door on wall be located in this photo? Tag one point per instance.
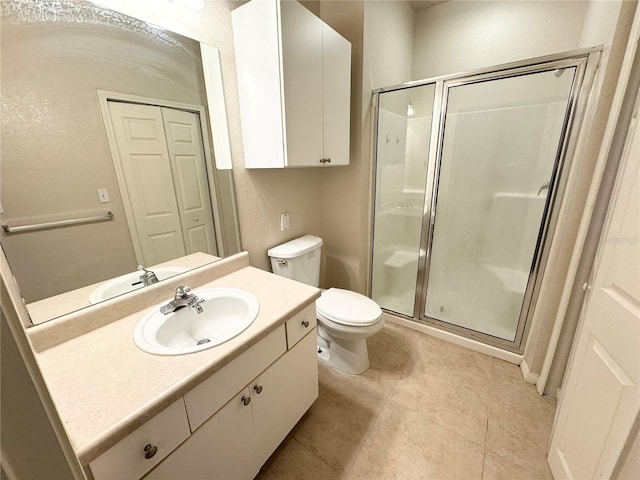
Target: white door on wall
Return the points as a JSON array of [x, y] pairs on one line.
[[144, 158], [186, 157], [601, 396], [162, 160]]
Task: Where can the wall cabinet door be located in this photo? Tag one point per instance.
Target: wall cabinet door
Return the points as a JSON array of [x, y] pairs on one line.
[[316, 66], [302, 84], [336, 95], [219, 449]]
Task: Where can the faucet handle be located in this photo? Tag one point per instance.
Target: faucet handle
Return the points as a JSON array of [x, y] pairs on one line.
[[182, 291]]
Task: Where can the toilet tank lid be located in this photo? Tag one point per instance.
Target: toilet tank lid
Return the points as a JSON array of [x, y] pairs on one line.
[[296, 247]]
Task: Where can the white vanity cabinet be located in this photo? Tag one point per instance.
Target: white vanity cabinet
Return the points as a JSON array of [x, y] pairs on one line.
[[235, 440], [294, 83]]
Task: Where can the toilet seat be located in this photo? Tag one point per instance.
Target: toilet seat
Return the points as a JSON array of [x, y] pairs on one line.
[[348, 308]]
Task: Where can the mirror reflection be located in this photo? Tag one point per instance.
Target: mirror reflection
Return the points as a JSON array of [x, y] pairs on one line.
[[107, 156]]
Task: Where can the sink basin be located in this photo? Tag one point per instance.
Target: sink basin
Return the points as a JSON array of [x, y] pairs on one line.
[[226, 312], [128, 283]]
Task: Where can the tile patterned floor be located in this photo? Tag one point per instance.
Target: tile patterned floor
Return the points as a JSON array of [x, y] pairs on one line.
[[425, 409]]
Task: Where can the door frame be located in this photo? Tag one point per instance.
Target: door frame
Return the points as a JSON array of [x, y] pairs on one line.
[[104, 96], [586, 62]]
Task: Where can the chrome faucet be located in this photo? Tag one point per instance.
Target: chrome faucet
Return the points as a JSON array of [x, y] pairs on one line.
[[181, 299], [148, 277]]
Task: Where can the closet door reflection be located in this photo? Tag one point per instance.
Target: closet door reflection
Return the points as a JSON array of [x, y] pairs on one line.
[[404, 131], [499, 149]]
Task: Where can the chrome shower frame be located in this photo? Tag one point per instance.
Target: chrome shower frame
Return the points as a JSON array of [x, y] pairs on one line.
[[585, 61]]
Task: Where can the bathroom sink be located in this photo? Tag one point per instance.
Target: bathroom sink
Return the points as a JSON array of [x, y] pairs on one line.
[[129, 282], [226, 312]]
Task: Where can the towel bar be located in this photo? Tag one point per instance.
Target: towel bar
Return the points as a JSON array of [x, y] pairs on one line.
[[58, 223]]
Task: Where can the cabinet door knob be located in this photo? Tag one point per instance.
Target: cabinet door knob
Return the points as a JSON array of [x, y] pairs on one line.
[[305, 323], [196, 219], [258, 389], [246, 400], [150, 451]]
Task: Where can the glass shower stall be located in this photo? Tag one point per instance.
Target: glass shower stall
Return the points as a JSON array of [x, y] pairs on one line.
[[469, 172]]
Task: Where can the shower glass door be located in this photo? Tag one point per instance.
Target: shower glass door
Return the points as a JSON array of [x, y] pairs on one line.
[[404, 133], [497, 166]]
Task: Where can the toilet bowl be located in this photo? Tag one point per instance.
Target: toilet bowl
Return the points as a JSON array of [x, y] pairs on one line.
[[345, 319]]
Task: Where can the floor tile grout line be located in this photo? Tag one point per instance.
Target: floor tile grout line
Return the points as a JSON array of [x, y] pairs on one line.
[[506, 460], [312, 453], [486, 438], [386, 401]]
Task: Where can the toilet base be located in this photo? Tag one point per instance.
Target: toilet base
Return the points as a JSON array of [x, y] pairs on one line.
[[346, 356]]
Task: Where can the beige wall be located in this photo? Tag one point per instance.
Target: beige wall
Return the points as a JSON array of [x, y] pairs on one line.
[[459, 36], [344, 189]]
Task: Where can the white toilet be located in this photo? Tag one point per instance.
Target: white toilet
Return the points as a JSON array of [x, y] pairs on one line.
[[345, 319]]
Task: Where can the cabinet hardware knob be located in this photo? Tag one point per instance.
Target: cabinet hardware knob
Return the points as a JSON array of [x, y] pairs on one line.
[[150, 451], [196, 219], [258, 389], [246, 400], [305, 323]]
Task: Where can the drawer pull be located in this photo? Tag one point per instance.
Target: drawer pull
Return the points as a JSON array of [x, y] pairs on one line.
[[150, 451], [305, 323], [258, 389], [246, 400]]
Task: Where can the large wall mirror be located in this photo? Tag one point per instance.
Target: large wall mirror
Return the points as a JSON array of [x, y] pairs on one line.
[[108, 157]]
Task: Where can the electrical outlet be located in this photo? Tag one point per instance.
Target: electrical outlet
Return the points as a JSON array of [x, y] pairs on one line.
[[284, 222]]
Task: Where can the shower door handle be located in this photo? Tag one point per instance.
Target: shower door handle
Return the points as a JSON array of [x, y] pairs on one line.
[[545, 186]]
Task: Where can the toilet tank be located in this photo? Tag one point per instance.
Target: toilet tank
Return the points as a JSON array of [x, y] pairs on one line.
[[298, 259]]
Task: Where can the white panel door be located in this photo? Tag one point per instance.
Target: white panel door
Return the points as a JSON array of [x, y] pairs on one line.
[[601, 396], [144, 158], [186, 157], [336, 94], [302, 84]]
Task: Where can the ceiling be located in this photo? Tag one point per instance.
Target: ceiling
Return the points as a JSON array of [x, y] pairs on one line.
[[418, 5]]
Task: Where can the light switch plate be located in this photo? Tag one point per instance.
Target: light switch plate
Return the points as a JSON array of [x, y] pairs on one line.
[[103, 195]]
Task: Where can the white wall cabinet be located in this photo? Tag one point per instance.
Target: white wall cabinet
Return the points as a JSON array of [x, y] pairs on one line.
[[294, 83]]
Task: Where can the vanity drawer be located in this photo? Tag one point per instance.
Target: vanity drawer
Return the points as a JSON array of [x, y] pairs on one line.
[[155, 439], [208, 397], [301, 324]]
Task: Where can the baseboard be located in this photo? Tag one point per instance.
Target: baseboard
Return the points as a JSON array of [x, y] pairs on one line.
[[526, 373], [453, 338]]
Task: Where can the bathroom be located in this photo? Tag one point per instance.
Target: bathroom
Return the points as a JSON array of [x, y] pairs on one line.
[[378, 31]]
